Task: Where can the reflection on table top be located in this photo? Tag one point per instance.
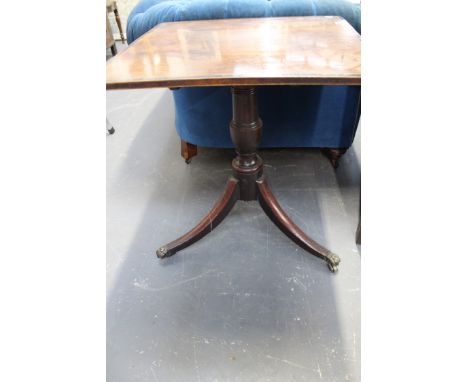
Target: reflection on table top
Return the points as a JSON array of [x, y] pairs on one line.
[[314, 50]]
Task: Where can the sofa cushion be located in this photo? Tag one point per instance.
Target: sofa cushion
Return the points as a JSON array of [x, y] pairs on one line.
[[149, 13]]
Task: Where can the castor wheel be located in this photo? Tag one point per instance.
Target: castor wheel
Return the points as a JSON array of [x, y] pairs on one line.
[[332, 267], [111, 131], [188, 161]]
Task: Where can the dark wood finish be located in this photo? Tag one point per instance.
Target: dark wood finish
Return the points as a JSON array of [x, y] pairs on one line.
[[208, 223], [274, 211], [246, 131], [249, 184], [187, 150], [334, 155], [313, 50], [113, 49]]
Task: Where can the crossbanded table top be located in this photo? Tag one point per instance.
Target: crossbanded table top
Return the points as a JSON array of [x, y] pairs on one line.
[[312, 50]]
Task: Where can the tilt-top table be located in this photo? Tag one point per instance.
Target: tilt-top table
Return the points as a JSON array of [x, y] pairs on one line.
[[243, 54]]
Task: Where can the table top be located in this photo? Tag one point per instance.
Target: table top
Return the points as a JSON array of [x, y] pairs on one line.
[[313, 50]]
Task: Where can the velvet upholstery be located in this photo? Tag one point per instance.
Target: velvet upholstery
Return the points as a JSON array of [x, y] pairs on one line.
[[299, 116]]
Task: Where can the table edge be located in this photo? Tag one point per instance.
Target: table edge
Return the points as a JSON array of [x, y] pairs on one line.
[[200, 82]]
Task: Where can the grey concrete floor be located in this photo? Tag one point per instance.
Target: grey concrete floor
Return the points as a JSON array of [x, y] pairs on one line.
[[244, 303]]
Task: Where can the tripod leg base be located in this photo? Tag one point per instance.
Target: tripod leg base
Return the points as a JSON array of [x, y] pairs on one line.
[[274, 211], [208, 223], [248, 184]]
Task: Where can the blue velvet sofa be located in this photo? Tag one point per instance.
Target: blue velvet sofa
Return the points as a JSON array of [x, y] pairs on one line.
[[295, 116]]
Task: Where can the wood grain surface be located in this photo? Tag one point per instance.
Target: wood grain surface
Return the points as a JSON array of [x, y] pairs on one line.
[[314, 50]]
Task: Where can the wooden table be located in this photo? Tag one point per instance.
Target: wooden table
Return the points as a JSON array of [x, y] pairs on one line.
[[243, 54]]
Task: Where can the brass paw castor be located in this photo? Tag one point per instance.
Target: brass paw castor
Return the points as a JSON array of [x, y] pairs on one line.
[[333, 267], [333, 262], [162, 252]]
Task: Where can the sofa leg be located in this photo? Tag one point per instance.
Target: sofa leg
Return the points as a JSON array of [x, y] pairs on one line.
[[358, 232], [187, 150], [113, 49], [333, 155]]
